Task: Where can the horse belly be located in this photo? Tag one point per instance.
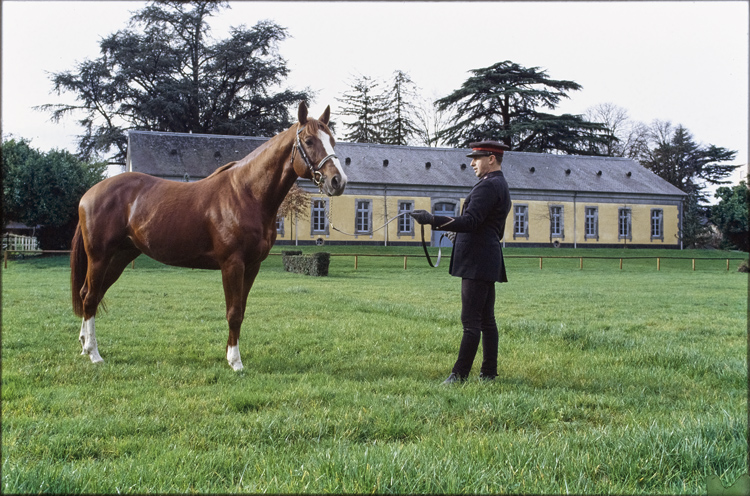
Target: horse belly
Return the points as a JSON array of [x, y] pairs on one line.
[[173, 247], [172, 232]]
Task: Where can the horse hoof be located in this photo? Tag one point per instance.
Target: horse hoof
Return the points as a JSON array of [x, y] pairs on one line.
[[96, 359], [236, 366]]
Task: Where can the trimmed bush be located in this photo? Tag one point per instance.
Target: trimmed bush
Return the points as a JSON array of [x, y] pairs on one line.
[[315, 264]]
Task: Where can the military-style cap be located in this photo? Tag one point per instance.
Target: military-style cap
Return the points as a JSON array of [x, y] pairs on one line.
[[485, 148]]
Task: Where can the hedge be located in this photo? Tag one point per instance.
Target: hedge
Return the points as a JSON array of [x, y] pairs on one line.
[[315, 264]]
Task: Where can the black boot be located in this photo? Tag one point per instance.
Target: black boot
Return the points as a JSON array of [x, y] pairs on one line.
[[453, 378]]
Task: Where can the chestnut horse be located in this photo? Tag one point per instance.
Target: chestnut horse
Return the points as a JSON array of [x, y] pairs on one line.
[[226, 221]]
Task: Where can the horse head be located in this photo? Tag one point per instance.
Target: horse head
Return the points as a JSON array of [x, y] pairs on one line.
[[318, 162]]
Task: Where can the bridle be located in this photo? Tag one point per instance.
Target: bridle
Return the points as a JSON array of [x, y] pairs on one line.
[[317, 176]]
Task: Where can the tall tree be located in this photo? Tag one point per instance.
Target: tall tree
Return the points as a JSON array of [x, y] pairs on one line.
[[166, 73], [430, 122], [400, 128], [674, 156], [44, 189], [631, 138], [501, 102], [365, 103]]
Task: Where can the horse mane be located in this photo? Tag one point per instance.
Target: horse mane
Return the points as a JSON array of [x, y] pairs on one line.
[[222, 169], [314, 126]]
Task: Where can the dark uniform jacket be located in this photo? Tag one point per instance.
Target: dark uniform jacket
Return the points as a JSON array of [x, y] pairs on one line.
[[477, 252]]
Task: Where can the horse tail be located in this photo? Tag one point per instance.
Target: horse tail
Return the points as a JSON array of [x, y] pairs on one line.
[[78, 267]]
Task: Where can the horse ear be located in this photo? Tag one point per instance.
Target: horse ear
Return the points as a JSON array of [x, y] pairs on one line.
[[302, 113], [326, 115]]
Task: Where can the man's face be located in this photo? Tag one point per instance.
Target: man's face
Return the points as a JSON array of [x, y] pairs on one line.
[[483, 165]]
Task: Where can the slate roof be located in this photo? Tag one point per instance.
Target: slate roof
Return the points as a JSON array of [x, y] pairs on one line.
[[173, 155]]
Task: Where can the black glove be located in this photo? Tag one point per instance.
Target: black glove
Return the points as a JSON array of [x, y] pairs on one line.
[[422, 216]]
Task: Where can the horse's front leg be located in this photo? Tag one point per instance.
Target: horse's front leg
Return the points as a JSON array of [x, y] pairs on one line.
[[237, 280]]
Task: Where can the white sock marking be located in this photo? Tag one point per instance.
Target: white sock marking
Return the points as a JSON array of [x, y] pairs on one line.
[[233, 357], [87, 337]]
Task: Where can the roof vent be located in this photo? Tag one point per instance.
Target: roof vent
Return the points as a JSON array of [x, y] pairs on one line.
[[427, 165], [463, 166], [532, 169], [599, 173], [567, 172], [348, 161], [173, 151], [385, 163], [629, 174], [217, 154]]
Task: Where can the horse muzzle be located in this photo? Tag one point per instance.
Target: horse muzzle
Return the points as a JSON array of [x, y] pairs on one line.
[[334, 185], [330, 177]]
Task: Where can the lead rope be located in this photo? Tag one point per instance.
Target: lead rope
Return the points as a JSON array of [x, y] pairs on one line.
[[424, 243], [440, 248]]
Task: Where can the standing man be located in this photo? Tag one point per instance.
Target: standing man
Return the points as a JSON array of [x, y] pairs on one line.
[[477, 257]]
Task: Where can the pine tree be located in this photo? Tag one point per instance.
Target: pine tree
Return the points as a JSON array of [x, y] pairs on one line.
[[367, 106], [400, 128], [501, 102]]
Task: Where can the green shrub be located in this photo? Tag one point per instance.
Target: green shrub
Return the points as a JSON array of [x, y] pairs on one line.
[[315, 264]]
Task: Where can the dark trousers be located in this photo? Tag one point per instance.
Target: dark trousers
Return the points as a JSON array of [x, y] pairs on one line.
[[478, 319]]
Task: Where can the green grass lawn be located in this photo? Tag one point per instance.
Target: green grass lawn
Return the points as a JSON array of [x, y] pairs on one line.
[[610, 381]]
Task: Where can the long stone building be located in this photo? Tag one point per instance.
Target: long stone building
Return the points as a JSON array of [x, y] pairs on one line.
[[558, 200]]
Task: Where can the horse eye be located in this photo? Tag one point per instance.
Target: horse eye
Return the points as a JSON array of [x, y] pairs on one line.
[[309, 141]]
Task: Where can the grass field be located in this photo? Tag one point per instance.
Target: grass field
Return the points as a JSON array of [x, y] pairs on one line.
[[610, 381]]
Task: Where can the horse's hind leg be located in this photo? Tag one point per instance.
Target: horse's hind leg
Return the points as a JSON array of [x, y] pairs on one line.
[[98, 281]]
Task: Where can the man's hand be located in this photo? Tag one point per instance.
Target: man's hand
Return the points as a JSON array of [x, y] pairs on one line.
[[422, 216]]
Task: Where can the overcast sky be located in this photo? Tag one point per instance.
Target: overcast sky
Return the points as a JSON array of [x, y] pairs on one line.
[[684, 62]]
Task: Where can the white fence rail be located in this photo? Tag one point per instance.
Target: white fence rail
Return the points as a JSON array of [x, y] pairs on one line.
[[17, 242]]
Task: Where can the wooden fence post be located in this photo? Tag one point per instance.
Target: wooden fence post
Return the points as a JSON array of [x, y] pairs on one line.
[[540, 263], [580, 265], [355, 262], [621, 264], [405, 257], [693, 264], [658, 263]]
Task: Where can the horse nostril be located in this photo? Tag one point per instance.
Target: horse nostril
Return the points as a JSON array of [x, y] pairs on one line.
[[335, 182]]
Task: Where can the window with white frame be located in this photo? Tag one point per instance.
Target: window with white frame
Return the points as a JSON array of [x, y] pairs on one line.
[[405, 221], [657, 223], [624, 223], [521, 221], [363, 215], [318, 224], [556, 221], [591, 223], [280, 226]]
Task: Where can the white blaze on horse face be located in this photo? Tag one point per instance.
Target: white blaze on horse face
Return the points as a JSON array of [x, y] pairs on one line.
[[326, 140], [233, 357], [87, 337]]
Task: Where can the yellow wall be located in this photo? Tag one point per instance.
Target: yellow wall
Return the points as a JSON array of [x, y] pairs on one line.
[[342, 217]]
